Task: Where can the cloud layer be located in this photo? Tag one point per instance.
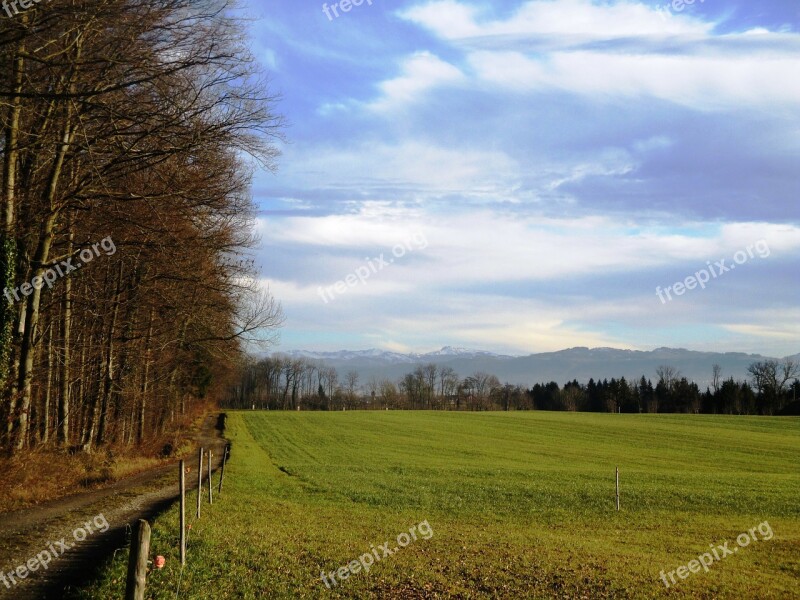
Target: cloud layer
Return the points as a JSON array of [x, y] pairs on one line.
[[562, 159]]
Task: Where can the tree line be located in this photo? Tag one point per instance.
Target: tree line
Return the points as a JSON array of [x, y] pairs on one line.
[[125, 124], [285, 383]]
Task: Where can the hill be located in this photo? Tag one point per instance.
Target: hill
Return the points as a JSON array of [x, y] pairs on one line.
[[562, 366]]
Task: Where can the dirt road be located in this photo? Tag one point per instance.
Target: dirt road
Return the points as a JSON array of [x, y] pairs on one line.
[[101, 516]]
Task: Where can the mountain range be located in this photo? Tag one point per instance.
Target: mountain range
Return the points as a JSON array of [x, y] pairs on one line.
[[562, 366]]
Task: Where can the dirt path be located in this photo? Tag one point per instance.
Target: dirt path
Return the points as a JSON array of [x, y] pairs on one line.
[[103, 515]]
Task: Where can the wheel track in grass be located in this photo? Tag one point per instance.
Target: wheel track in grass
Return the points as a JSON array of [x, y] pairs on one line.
[[26, 533]]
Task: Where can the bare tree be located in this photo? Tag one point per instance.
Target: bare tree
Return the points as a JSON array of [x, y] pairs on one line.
[[373, 385], [770, 377], [332, 378], [716, 377], [351, 385], [389, 394], [122, 123], [668, 375]]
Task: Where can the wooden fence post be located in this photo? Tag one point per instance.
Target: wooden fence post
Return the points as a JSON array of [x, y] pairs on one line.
[[137, 562], [222, 470], [617, 488], [182, 483], [199, 482], [210, 498]]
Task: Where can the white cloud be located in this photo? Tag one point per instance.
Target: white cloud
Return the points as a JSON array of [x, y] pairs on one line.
[[446, 18], [269, 58], [421, 72], [412, 164], [704, 82], [609, 162], [486, 247], [777, 329], [451, 290], [517, 325], [698, 68], [580, 20]]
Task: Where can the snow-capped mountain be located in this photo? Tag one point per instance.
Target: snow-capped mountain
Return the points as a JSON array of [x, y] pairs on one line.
[[463, 352], [386, 356]]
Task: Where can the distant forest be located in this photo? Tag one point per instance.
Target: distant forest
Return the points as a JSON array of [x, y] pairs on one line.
[[283, 383]]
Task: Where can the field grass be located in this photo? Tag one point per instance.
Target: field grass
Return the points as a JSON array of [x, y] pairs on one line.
[[521, 505]]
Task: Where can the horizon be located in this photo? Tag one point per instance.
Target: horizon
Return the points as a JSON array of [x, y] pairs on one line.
[[421, 353], [580, 364]]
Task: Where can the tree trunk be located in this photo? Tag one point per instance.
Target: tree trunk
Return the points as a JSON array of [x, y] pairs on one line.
[[8, 259], [146, 379], [40, 258], [29, 336], [108, 382], [47, 390], [66, 328]]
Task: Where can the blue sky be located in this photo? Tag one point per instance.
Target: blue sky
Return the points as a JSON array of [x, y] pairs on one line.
[[544, 167]]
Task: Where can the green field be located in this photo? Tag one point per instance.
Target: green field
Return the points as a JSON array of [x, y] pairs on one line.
[[520, 505]]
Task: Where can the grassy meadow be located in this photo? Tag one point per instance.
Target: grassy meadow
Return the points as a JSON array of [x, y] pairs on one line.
[[521, 505]]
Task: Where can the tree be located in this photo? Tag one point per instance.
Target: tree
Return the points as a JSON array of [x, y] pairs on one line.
[[373, 385], [572, 396], [388, 393], [716, 374], [448, 384], [770, 378], [410, 386], [351, 385], [123, 124], [646, 396], [668, 376], [332, 379]]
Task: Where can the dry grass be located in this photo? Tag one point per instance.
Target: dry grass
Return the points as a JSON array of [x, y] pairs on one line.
[[47, 473]]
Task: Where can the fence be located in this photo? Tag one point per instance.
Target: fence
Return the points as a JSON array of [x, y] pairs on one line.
[[140, 542]]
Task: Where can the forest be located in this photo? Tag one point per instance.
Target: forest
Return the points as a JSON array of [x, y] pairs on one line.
[[284, 383], [130, 132]]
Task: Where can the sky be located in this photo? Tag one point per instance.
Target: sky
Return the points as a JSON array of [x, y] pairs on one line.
[[528, 176]]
